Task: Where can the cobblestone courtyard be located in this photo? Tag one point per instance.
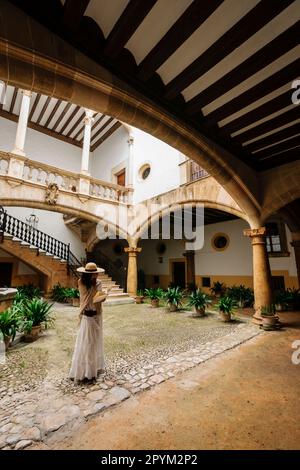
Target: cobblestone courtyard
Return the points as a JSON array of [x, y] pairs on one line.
[[143, 346]]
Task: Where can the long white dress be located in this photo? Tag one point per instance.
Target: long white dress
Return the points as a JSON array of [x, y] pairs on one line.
[[88, 356]]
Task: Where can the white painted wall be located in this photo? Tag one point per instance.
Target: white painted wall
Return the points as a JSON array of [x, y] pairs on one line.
[[41, 147], [235, 260], [53, 224], [111, 153], [163, 161]]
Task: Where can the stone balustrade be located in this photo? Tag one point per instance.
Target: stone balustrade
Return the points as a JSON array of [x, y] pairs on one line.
[[41, 174]]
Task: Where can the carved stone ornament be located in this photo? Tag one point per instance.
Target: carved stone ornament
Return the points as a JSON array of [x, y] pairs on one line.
[[51, 194]]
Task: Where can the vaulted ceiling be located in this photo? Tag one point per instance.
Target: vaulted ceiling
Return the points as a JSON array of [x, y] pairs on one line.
[[58, 118], [223, 66]]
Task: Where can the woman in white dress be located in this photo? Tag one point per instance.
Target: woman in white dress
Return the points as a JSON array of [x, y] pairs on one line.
[[88, 356]]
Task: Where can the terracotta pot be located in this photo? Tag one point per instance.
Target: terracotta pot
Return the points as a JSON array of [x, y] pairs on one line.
[[269, 320], [173, 308], [139, 299], [76, 302], [155, 303], [33, 335], [7, 340], [199, 312], [226, 317]]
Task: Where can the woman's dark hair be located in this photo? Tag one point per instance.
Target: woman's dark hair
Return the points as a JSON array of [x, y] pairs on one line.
[[88, 280]]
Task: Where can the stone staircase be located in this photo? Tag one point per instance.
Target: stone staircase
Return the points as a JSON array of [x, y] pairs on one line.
[[52, 267], [116, 296]]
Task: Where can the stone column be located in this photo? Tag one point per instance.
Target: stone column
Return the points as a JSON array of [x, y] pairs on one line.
[[296, 245], [84, 182], [262, 285], [22, 124], [132, 269], [190, 267]]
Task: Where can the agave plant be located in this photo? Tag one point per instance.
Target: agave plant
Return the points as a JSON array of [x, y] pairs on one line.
[[9, 324], [154, 293], [59, 293], [29, 291], [199, 300], [242, 295], [35, 312], [173, 296], [226, 306], [218, 288]]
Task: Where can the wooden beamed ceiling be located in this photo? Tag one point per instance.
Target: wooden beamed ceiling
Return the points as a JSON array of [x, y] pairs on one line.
[[225, 67], [58, 119]]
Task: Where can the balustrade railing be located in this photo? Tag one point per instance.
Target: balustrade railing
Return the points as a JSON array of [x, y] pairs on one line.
[[40, 240], [43, 174]]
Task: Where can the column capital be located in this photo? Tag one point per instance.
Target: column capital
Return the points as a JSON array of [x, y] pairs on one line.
[[132, 250], [255, 232], [88, 120]]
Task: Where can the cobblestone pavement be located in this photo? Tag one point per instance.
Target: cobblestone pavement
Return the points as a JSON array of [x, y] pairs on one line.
[[53, 406]]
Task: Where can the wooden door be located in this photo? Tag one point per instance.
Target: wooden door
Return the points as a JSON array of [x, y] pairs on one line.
[[6, 274], [121, 178], [179, 273]]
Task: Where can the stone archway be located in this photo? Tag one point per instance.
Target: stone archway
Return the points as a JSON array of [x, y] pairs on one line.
[[40, 66]]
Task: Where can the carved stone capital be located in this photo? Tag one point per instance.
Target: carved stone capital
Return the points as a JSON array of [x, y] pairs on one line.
[[132, 250], [255, 232]]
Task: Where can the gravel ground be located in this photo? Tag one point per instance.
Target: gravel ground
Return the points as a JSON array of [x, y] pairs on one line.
[[133, 335]]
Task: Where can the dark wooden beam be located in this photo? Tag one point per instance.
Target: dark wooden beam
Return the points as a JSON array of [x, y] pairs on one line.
[[128, 22], [270, 84], [78, 133], [101, 129], [77, 122], [70, 118], [106, 135], [280, 159], [61, 116], [189, 21], [280, 102], [46, 104], [73, 13], [39, 128], [36, 102], [13, 100], [57, 104], [246, 27], [264, 127], [273, 138], [276, 149]]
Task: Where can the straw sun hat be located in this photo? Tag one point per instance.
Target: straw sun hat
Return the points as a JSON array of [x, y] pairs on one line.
[[90, 268]]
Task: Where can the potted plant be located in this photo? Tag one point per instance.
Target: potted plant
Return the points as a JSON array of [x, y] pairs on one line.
[[73, 296], [9, 323], [293, 298], [218, 288], [59, 293], [139, 298], [281, 300], [29, 291], [35, 312], [173, 296], [199, 300], [226, 307], [269, 320], [242, 295], [154, 295]]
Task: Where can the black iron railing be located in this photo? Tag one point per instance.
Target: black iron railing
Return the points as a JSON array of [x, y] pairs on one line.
[[40, 240]]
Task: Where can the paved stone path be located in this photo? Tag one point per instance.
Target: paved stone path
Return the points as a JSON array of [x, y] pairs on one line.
[[31, 416]]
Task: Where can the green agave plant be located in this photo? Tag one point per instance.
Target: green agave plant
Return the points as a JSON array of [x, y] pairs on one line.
[[59, 293], [35, 312], [173, 296], [9, 322], [226, 304], [198, 299], [29, 291], [154, 293]]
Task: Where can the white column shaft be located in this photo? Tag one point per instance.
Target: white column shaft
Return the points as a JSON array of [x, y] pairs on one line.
[[22, 124]]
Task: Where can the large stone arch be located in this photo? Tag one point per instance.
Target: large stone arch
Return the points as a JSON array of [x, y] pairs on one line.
[[187, 204], [56, 69]]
